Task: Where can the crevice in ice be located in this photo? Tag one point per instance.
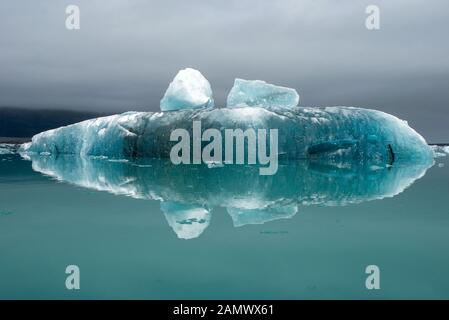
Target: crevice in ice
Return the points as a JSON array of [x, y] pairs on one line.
[[392, 156], [333, 146]]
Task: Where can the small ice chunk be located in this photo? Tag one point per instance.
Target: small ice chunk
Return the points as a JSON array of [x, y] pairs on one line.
[[242, 216], [187, 220], [6, 148], [252, 93], [440, 151], [188, 90], [214, 164]]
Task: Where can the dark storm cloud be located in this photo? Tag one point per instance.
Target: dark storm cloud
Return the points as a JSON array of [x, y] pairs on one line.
[[126, 53]]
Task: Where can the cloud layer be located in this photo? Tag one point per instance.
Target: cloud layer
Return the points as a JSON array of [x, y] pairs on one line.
[[126, 53]]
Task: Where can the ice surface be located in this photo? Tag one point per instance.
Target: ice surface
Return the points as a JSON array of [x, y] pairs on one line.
[[333, 133], [6, 148], [440, 151], [247, 93], [188, 194], [188, 90]]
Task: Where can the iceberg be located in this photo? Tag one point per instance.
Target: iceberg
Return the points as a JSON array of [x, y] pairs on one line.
[[188, 90], [324, 155], [257, 93], [188, 194], [332, 133]]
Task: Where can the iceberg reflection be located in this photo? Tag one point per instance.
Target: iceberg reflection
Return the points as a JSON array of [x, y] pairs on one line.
[[188, 193]]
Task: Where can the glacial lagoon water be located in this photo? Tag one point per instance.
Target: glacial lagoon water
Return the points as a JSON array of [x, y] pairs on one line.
[[150, 229]]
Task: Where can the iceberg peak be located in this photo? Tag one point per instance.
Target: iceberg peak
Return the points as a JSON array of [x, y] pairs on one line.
[[188, 90], [258, 93]]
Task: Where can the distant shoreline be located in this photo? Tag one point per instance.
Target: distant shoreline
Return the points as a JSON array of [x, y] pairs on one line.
[[14, 140]]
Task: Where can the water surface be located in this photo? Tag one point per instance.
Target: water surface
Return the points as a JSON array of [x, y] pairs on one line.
[[149, 229]]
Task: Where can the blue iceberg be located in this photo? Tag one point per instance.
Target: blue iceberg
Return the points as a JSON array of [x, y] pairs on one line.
[[325, 155], [332, 133], [254, 108], [257, 93], [188, 90]]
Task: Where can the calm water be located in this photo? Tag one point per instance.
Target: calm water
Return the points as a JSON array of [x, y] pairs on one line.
[[153, 230]]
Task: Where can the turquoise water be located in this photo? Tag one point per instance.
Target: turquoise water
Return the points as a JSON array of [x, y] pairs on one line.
[[154, 230]]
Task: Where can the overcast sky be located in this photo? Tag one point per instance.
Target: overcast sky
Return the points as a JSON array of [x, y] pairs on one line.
[[127, 52]]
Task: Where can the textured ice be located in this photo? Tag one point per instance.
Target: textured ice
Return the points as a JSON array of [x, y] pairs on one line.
[[440, 151], [333, 133], [188, 90], [188, 194], [247, 93], [6, 148]]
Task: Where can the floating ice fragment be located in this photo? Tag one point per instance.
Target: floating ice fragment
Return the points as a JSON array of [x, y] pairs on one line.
[[247, 93], [241, 217], [6, 148], [188, 221], [440, 151], [214, 164], [188, 90]]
